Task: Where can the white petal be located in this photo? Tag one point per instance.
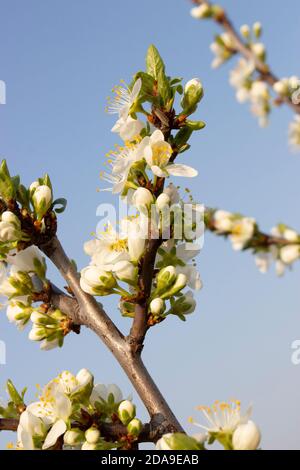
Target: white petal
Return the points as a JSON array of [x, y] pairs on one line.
[[56, 431], [136, 89], [176, 169], [156, 170], [157, 136]]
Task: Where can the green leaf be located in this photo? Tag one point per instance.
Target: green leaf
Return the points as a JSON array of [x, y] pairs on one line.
[[13, 393], [156, 68], [154, 63], [23, 196], [149, 89], [7, 188], [62, 203]]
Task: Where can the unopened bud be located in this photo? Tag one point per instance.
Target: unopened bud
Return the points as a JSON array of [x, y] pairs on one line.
[[126, 411]]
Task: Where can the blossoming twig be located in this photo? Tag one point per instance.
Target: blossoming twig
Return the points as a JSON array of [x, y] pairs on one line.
[[263, 69], [282, 245]]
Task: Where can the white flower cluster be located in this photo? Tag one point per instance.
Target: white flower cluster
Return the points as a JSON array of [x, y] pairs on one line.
[[138, 170], [287, 86], [282, 246], [225, 424], [239, 229], [285, 255], [243, 77], [23, 278], [70, 410]]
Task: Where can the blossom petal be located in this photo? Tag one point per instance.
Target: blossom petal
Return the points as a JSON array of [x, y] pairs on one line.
[[177, 169], [56, 431], [157, 136], [136, 89], [156, 170]]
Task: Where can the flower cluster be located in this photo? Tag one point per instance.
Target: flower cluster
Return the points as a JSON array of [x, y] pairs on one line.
[[138, 170], [282, 245], [27, 218], [70, 413], [283, 254], [248, 75], [225, 424], [239, 229], [23, 281]]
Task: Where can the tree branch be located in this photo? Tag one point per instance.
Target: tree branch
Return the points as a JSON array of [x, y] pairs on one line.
[[265, 72], [258, 240], [92, 315], [110, 431], [8, 424]]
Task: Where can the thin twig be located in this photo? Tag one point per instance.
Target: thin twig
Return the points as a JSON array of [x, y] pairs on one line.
[[263, 69]]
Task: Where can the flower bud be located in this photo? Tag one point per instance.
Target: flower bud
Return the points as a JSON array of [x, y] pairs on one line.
[[126, 411], [157, 306], [184, 305], [163, 201], [290, 253], [19, 313], [245, 31], [281, 87], [42, 200], [88, 446], [177, 441], [193, 93], [179, 284], [259, 50], [33, 187], [257, 29], [96, 281], [142, 197], [246, 437], [135, 427], [166, 278], [37, 333], [10, 227], [73, 437], [201, 11], [92, 435]]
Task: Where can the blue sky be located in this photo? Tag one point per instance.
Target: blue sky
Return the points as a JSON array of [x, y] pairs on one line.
[[59, 60]]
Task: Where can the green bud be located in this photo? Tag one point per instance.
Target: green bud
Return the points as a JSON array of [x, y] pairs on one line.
[[180, 283], [92, 435], [184, 305], [165, 279], [135, 427], [178, 441], [41, 200], [73, 437], [193, 93], [126, 411], [257, 29]]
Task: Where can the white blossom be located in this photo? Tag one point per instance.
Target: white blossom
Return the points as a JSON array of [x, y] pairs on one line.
[[246, 436]]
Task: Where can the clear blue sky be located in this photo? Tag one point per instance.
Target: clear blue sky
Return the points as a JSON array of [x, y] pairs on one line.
[[60, 60]]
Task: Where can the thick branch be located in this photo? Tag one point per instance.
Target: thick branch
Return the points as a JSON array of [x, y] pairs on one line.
[[264, 70], [92, 315]]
